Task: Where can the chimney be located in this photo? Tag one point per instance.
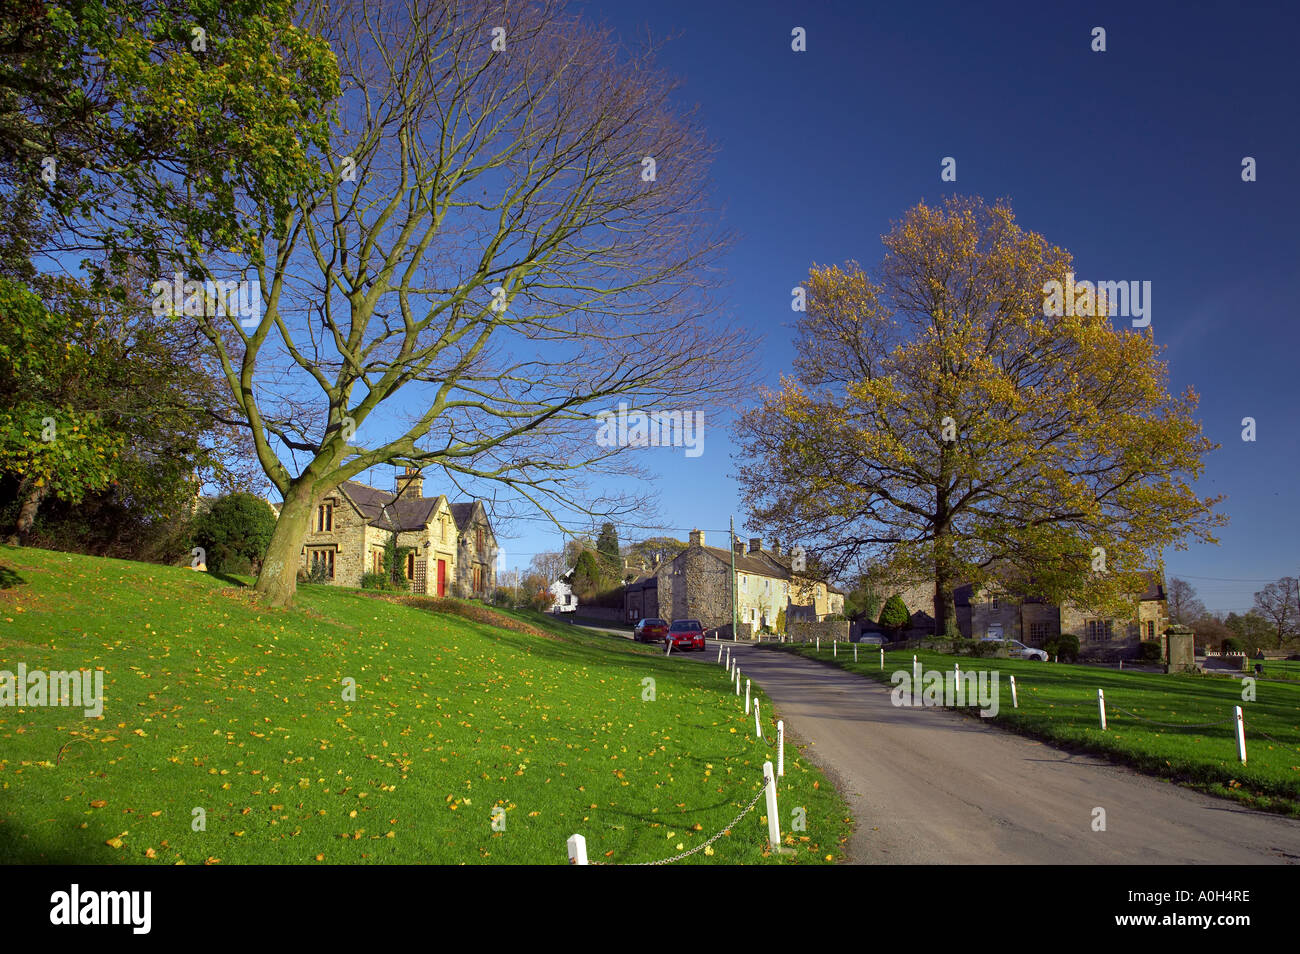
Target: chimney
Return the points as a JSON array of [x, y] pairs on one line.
[[410, 485], [738, 546], [755, 545], [697, 538]]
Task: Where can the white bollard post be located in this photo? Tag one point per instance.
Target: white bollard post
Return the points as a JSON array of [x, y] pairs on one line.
[[758, 726], [819, 644], [882, 657], [855, 652], [958, 694], [780, 747], [737, 680], [916, 681], [1101, 707], [1015, 703], [719, 653], [577, 850], [746, 697], [1241, 735], [773, 822]]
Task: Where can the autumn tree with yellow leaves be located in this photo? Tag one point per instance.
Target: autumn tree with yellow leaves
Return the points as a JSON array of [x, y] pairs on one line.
[[939, 423]]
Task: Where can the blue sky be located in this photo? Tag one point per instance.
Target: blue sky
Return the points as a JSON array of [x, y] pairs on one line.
[[1129, 158]]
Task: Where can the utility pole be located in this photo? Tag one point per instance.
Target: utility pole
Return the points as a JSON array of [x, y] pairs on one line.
[[731, 545]]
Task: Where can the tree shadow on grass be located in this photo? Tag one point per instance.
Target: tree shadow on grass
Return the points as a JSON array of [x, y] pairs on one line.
[[9, 579]]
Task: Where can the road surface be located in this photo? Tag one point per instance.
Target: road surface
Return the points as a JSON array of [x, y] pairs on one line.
[[929, 786]]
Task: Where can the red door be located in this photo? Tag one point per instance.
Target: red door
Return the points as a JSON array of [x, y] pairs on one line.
[[442, 577]]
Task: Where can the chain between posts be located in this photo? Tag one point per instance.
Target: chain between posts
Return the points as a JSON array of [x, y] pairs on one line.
[[1176, 725], [690, 851]]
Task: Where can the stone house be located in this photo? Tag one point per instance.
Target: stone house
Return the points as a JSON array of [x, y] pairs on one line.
[[989, 611], [696, 584], [450, 547]]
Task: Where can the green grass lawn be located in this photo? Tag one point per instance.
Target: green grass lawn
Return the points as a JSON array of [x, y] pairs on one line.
[[215, 702], [1059, 702]]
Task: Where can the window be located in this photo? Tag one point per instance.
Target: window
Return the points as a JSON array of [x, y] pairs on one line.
[[478, 578], [376, 561], [325, 518], [442, 529], [1099, 629], [478, 539], [1037, 632], [1151, 629], [744, 584], [324, 557], [993, 602]]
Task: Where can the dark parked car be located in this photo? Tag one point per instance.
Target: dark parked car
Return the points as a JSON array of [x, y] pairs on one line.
[[650, 631], [686, 634]]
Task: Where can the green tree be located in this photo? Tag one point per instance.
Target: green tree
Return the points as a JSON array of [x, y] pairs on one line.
[[589, 576], [52, 437], [235, 530], [946, 418], [894, 616], [863, 601], [132, 127], [607, 547], [1252, 629]]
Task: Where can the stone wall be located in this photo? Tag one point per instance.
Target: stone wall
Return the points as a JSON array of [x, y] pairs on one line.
[[801, 630]]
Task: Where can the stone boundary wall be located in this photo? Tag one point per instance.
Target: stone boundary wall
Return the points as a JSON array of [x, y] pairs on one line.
[[806, 631]]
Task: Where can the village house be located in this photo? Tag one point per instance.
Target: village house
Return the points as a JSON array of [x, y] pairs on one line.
[[448, 548], [992, 611], [696, 584]]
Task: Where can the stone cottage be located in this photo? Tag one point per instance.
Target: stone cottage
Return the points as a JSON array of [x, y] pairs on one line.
[[990, 611], [696, 584], [450, 547]]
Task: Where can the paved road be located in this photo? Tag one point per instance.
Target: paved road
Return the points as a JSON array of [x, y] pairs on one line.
[[928, 786]]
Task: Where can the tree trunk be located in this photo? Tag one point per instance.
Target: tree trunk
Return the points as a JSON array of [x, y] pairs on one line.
[[31, 496], [278, 580]]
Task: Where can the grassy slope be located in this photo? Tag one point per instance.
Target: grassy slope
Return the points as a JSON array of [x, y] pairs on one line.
[[216, 702], [1059, 702]]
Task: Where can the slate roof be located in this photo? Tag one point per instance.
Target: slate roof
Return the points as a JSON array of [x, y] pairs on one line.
[[462, 513], [385, 510]]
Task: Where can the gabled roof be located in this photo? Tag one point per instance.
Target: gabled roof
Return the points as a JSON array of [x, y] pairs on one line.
[[463, 513]]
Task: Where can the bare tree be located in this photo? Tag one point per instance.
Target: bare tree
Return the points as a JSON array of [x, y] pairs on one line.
[[1184, 607], [516, 236], [1278, 603]]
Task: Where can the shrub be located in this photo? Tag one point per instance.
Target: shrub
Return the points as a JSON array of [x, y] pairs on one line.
[[1064, 647], [986, 648], [375, 581], [235, 531], [895, 616], [319, 573], [1233, 645], [1149, 651]]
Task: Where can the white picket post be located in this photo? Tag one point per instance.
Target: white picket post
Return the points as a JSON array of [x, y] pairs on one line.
[[958, 695], [819, 644], [577, 850], [882, 657], [855, 652], [719, 653], [746, 697], [773, 823], [758, 726], [835, 649], [738, 680], [1241, 735], [1101, 707], [1015, 703], [780, 747]]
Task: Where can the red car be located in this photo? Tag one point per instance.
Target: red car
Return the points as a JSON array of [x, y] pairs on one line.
[[650, 631], [686, 634]]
